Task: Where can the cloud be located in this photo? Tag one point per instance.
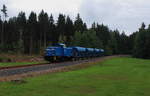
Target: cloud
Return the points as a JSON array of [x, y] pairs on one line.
[[55, 7], [125, 15]]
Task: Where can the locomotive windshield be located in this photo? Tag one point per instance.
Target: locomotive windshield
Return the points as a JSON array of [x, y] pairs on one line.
[[59, 45]]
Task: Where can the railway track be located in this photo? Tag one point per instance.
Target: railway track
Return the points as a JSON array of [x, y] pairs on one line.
[[17, 70], [25, 69]]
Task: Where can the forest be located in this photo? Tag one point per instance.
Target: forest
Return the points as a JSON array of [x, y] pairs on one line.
[[32, 34]]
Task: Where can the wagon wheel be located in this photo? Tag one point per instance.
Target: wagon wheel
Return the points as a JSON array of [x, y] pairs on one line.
[[75, 54]]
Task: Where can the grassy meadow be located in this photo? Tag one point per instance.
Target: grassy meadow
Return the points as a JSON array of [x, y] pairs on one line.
[[121, 76], [17, 63]]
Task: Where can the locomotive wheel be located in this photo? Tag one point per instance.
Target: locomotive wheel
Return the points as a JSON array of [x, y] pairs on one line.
[[51, 59], [48, 58]]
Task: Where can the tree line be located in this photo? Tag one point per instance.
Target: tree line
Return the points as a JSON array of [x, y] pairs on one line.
[[33, 34], [30, 36]]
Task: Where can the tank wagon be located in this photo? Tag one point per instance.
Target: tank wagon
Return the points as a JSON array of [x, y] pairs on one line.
[[59, 52]]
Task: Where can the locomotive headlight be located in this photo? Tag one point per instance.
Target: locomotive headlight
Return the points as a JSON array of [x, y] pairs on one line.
[[102, 50], [47, 49]]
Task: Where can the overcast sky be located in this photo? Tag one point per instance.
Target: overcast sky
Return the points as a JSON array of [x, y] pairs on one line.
[[124, 15]]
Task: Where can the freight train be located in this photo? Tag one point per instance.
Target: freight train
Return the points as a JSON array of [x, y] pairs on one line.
[[59, 52]]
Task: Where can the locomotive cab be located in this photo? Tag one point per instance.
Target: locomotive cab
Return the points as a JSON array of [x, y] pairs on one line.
[[59, 45], [55, 52]]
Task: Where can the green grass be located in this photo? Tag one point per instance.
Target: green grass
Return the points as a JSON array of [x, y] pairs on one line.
[[17, 63], [115, 77]]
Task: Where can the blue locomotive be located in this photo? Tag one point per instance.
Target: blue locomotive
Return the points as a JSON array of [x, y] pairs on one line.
[[59, 52]]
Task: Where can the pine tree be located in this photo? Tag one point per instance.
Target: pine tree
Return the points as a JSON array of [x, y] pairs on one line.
[[22, 24], [93, 27], [32, 25], [148, 43], [69, 30], [61, 27], [124, 48], [4, 11], [51, 36], [131, 42], [139, 49], [12, 36], [112, 45], [103, 34], [43, 22], [118, 40], [79, 25], [0, 29]]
